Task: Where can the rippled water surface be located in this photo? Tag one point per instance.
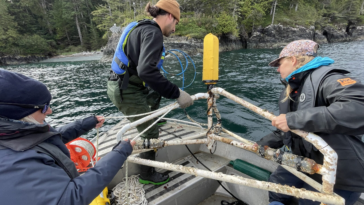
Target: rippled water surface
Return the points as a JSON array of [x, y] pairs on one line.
[[79, 88]]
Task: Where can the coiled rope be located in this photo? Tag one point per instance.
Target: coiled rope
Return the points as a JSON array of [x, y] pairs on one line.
[[187, 59], [133, 195], [86, 145]]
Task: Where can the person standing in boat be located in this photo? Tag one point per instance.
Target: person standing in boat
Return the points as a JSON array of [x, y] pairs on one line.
[[35, 164], [135, 84], [320, 98]]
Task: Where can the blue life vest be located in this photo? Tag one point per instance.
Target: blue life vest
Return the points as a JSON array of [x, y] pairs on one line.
[[120, 60]]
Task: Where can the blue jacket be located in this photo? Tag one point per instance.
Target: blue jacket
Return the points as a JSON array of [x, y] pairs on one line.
[[30, 177]]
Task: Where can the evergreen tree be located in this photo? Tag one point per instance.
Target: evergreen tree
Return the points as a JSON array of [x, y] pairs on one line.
[[8, 29]]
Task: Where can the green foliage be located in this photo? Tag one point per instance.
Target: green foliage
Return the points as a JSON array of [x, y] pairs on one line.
[[226, 25], [196, 27], [8, 29], [33, 45], [253, 12], [70, 50], [43, 26]]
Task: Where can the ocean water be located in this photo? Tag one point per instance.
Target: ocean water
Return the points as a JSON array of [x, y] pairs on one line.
[[79, 87]]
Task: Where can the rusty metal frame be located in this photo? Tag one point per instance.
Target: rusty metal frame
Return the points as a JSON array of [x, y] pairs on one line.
[[328, 170]]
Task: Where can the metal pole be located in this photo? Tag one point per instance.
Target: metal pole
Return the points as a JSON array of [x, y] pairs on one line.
[[283, 189], [330, 156], [304, 164]]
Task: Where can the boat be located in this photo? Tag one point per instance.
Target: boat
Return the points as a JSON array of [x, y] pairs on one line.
[[189, 182], [196, 155]]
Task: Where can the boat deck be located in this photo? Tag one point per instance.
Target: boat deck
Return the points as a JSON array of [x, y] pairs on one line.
[[185, 189]]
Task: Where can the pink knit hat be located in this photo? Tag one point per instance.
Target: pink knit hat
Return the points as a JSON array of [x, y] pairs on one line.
[[297, 48]]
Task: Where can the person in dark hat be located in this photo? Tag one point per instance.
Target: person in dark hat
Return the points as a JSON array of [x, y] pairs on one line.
[[35, 165], [320, 98], [136, 85]]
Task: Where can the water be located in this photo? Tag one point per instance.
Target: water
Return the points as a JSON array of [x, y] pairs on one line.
[[79, 88]]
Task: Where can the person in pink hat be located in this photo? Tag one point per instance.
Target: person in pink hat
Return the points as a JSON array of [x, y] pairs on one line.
[[319, 97]]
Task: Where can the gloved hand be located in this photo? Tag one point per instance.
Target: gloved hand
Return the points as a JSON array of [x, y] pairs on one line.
[[125, 146], [184, 100]]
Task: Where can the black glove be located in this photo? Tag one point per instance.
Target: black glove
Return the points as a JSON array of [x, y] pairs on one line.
[[273, 140], [123, 147]]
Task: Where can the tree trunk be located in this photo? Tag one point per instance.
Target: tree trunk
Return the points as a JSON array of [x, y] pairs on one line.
[[362, 9], [234, 9], [296, 7], [271, 8], [78, 29], [253, 26], [109, 7], [274, 10], [44, 9], [68, 38]]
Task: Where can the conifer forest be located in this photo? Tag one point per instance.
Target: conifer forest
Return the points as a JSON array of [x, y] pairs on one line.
[[51, 27]]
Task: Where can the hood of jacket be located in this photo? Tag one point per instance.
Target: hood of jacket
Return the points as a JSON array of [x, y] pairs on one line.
[[20, 136]]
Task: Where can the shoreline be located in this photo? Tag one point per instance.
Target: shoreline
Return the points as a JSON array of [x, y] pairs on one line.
[[270, 37]]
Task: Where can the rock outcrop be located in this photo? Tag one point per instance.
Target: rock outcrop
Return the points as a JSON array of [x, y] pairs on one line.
[[12, 60], [319, 38], [190, 46], [109, 49], [277, 36], [334, 35], [357, 33], [273, 36]]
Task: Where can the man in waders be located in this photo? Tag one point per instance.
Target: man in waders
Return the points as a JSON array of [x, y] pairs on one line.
[[135, 84]]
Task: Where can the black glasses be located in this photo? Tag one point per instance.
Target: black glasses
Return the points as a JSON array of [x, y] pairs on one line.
[[43, 107]]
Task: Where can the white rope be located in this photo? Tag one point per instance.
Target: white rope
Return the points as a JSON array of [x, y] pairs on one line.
[[97, 145], [86, 145], [143, 114], [186, 122], [135, 193], [126, 183], [152, 124]]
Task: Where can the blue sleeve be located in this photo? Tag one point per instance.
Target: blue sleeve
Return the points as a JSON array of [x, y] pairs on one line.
[[77, 128], [85, 188]]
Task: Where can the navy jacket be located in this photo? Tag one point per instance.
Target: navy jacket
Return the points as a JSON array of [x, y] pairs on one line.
[[30, 177]]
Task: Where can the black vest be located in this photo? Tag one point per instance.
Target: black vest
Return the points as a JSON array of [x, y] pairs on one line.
[[59, 157]]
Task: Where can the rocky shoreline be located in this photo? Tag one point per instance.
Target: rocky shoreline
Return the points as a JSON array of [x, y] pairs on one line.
[[272, 36], [15, 60]]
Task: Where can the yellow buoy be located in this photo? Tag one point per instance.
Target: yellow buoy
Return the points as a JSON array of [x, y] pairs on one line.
[[101, 199], [210, 74]]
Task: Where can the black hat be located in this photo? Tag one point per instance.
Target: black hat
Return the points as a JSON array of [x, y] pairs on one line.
[[20, 89]]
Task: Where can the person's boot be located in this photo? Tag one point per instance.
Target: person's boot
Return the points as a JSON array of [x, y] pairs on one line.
[[161, 122], [148, 174], [153, 177]]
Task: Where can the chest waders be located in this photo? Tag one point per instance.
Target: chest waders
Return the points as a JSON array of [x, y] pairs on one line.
[[121, 67]]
